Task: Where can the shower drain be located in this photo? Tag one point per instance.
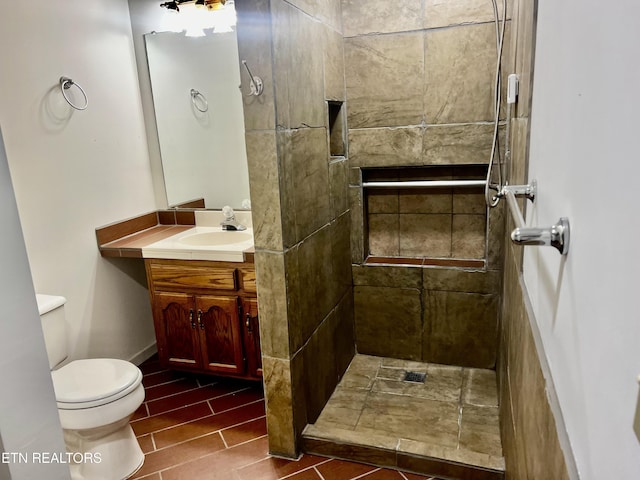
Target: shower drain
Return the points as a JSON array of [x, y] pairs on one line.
[[414, 377]]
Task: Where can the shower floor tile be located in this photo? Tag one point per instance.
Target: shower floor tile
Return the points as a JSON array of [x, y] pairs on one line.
[[446, 426]]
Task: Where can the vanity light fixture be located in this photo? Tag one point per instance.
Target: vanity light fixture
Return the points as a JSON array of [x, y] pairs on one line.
[[174, 5]]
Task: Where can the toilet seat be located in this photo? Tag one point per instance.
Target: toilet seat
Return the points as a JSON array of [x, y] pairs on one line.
[[93, 382]]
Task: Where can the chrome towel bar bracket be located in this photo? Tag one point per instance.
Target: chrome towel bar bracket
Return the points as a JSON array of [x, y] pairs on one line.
[[556, 236]]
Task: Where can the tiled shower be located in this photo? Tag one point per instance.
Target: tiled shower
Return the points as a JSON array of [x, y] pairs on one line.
[[402, 279]]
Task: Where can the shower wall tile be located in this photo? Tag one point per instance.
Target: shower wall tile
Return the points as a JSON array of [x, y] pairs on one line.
[[304, 157], [388, 321], [328, 11], [262, 163], [254, 46], [439, 13], [380, 16], [383, 201], [357, 225], [469, 200], [456, 280], [309, 286], [344, 341], [384, 234], [460, 94], [341, 277], [468, 236], [272, 304], [279, 405], [385, 77], [433, 200], [333, 60], [338, 187], [425, 235], [387, 276], [524, 54], [299, 71], [457, 144], [461, 329], [495, 236], [384, 147], [519, 151]]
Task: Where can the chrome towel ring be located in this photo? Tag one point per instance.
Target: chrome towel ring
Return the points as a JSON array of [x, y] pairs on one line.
[[65, 84], [202, 105]]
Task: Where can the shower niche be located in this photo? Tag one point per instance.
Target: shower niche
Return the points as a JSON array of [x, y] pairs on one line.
[[435, 225]]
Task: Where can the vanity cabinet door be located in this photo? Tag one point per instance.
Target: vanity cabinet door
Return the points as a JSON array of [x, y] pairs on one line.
[[176, 330], [252, 336], [220, 335]]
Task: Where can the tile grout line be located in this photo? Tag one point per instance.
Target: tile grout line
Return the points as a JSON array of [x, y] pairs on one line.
[[306, 469], [318, 473], [366, 473], [193, 390]]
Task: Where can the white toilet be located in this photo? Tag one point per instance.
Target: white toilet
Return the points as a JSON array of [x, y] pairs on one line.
[[96, 398]]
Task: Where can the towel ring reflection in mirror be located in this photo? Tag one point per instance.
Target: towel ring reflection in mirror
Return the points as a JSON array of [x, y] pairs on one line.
[[199, 101], [65, 84]]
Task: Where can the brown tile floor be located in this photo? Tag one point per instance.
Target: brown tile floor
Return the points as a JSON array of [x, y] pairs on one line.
[[208, 428], [452, 416]]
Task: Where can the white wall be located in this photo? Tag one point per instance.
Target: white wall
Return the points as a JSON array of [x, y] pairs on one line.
[[585, 156], [73, 171], [29, 418]]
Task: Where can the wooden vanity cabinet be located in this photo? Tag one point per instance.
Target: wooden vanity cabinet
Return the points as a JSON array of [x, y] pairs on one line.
[[206, 316]]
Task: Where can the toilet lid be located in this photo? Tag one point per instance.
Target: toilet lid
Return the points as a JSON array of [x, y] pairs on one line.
[[92, 382]]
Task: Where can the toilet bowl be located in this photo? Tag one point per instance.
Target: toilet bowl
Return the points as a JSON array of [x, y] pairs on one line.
[[96, 398]]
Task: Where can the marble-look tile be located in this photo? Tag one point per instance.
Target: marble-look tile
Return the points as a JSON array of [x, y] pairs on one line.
[[338, 187], [361, 372], [344, 336], [524, 55], [412, 418], [462, 329], [480, 430], [254, 46], [355, 175], [265, 189], [432, 200], [457, 144], [457, 280], [384, 76], [399, 363], [380, 16], [444, 13], [344, 408], [272, 304], [279, 406], [459, 74], [425, 235], [442, 384], [306, 193], [496, 236], [383, 147], [333, 60], [382, 201], [468, 236], [281, 48], [480, 388], [387, 276], [383, 234], [388, 321]]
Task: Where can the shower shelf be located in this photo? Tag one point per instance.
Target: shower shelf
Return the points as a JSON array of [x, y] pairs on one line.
[[424, 184]]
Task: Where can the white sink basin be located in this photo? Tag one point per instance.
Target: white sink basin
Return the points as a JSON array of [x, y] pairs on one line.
[[203, 243], [215, 238]]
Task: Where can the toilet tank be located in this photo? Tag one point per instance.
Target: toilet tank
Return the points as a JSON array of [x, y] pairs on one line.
[[54, 327]]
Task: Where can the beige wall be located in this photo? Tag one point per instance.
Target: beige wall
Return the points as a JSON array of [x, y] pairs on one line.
[[300, 209], [73, 171], [419, 77]]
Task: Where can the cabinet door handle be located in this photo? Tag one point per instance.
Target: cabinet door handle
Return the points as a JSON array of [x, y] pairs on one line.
[[200, 320], [248, 322], [193, 324]]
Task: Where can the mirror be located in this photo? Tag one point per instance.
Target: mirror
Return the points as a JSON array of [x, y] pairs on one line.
[[198, 107]]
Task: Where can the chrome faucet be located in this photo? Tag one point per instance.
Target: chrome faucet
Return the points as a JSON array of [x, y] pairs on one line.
[[230, 223]]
